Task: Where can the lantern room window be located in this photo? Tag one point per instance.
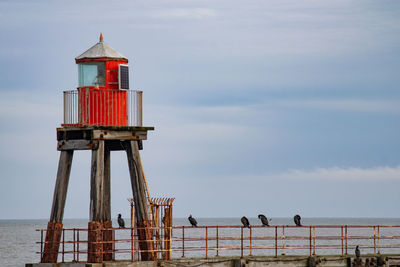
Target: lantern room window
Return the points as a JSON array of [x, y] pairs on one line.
[[91, 74]]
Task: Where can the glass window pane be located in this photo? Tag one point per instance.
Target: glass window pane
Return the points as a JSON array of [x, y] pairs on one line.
[[91, 74]]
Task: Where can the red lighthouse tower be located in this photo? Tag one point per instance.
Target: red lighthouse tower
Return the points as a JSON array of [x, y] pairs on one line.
[[102, 115]]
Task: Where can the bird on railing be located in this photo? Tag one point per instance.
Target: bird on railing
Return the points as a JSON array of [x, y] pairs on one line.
[[264, 220], [357, 252], [245, 222], [192, 221], [121, 221], [297, 219]]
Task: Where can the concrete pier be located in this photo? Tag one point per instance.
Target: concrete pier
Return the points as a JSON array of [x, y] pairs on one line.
[[259, 261]]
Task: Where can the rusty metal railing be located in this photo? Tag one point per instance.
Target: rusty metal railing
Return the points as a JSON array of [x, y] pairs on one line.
[[228, 240], [102, 107]]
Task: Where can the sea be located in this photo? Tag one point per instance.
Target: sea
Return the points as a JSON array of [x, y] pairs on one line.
[[18, 238]]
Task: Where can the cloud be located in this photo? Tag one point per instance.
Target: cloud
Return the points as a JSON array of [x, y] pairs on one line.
[[343, 174], [358, 105], [185, 13]]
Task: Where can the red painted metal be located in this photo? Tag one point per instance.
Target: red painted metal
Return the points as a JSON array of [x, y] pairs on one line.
[[104, 105]]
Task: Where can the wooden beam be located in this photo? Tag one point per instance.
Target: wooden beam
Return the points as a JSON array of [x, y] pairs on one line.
[[97, 183], [107, 186], [141, 204], [137, 181], [119, 135], [54, 226], [77, 145], [61, 187]]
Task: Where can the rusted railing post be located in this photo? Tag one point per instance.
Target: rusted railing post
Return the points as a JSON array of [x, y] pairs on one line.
[[217, 237], [341, 237], [379, 243], [374, 240], [276, 241], [250, 241], [283, 240], [183, 241], [314, 239], [41, 243], [73, 245], [77, 245], [63, 244], [206, 242], [241, 242], [132, 243], [310, 240], [345, 235]]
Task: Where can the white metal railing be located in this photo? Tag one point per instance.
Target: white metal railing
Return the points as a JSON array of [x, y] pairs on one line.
[[105, 107]]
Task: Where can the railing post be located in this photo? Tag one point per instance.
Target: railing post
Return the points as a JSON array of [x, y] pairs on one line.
[[217, 237], [314, 239], [374, 240], [41, 244], [276, 241], [379, 243], [132, 243], [63, 244], [283, 240], [310, 241], [341, 227], [77, 244], [183, 241], [241, 242], [139, 114], [65, 106], [206, 242], [251, 241], [345, 236], [74, 244]]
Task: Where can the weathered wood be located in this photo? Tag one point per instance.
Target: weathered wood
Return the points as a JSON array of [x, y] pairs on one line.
[[106, 186], [97, 183], [103, 133], [119, 135], [95, 246], [52, 244], [61, 187], [140, 199], [77, 145]]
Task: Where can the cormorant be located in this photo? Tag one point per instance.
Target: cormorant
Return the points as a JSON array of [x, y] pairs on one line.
[[121, 221], [192, 221], [297, 219], [358, 253], [263, 219], [245, 222]]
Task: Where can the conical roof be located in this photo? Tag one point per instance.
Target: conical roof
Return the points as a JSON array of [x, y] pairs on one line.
[[101, 50]]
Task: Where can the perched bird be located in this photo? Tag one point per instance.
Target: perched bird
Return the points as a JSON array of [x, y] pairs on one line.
[[121, 221], [358, 253], [192, 221], [263, 219], [297, 219], [245, 222]]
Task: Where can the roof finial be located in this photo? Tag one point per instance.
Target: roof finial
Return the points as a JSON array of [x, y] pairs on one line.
[[101, 37]]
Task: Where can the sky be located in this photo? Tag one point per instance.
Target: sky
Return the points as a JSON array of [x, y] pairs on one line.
[[274, 107]]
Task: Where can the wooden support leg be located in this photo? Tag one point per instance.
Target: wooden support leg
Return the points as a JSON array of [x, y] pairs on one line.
[[141, 205], [108, 235], [54, 227], [95, 246]]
